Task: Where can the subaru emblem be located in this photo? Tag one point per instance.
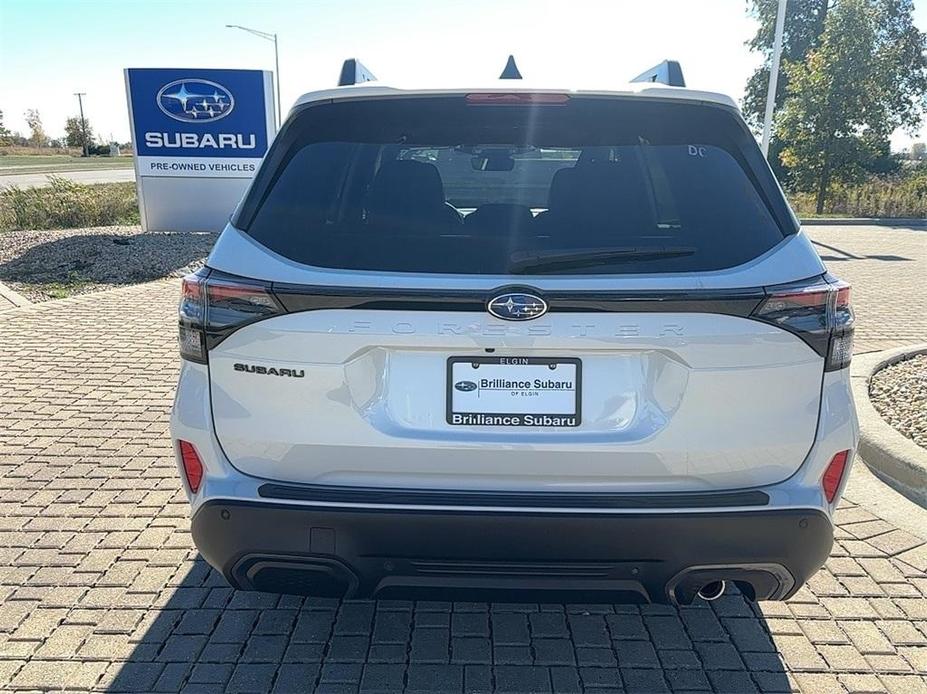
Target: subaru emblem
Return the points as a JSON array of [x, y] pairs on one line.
[[465, 386], [195, 100], [517, 306]]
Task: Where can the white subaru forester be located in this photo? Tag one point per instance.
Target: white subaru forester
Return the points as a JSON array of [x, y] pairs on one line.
[[515, 341]]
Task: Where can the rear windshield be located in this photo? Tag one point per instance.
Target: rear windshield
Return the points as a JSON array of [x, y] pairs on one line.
[[451, 185]]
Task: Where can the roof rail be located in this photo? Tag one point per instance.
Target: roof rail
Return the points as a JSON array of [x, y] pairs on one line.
[[510, 71], [668, 72], [354, 72]]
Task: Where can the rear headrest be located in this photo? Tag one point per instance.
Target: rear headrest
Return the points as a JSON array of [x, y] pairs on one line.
[[595, 176], [604, 187], [597, 189], [405, 187], [562, 189]]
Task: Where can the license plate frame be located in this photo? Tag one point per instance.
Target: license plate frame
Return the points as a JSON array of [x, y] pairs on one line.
[[559, 420]]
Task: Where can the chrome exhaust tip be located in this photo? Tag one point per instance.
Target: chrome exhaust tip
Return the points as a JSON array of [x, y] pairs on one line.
[[711, 591]]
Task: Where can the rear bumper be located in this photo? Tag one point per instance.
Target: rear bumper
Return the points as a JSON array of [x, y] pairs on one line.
[[539, 556]]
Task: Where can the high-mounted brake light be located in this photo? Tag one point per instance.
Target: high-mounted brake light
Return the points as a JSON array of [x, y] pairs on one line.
[[192, 465], [213, 305], [515, 99], [819, 313], [833, 475]]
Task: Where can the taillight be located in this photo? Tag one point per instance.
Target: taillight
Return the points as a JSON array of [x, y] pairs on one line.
[[192, 314], [819, 313], [833, 475], [213, 305], [841, 341], [192, 465]]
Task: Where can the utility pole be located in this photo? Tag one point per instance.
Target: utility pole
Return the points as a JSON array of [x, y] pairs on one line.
[[267, 37], [83, 123], [773, 76]]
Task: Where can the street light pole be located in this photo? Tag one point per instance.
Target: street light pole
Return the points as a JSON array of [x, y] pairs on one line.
[[267, 37], [773, 76], [277, 78], [83, 123]]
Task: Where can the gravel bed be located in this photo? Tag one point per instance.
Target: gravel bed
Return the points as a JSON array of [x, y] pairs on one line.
[[899, 393], [43, 265]]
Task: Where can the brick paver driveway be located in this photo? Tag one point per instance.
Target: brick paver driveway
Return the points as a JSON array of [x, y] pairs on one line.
[[100, 587], [888, 270]]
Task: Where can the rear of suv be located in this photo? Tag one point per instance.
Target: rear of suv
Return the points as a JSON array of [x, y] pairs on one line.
[[511, 341]]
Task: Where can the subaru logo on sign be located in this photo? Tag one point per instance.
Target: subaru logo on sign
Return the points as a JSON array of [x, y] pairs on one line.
[[465, 386], [517, 306], [195, 101]]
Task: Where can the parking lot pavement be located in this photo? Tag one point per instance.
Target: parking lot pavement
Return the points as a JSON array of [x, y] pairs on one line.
[[887, 267], [100, 587]]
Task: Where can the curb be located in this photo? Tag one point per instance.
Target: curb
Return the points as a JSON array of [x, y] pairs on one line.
[[15, 299], [891, 456], [864, 221]]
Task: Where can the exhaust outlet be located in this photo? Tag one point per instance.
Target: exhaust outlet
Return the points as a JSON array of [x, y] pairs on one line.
[[711, 591]]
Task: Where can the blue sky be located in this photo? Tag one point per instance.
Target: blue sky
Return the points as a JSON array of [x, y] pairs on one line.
[[52, 48]]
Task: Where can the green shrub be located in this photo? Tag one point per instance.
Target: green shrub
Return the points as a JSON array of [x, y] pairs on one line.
[[895, 196], [65, 204]]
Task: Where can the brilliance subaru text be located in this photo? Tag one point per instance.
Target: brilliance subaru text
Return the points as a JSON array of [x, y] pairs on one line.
[[515, 341]]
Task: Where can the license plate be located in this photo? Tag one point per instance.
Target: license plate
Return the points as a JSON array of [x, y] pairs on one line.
[[513, 391]]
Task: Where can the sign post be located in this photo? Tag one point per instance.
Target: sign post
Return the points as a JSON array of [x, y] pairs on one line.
[[199, 137]]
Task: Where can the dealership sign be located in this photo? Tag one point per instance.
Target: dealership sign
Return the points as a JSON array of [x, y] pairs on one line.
[[197, 124], [200, 122]]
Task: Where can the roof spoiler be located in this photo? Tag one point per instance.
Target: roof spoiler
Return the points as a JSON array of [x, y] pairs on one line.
[[354, 72], [668, 72]]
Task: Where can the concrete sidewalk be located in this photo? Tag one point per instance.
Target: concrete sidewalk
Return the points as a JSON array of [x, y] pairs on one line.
[[39, 180], [900, 222], [10, 299]]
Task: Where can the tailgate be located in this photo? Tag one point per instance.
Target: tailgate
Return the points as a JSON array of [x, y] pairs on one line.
[[664, 401]]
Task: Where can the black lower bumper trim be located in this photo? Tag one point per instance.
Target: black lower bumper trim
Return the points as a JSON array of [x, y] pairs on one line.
[[658, 557], [466, 498]]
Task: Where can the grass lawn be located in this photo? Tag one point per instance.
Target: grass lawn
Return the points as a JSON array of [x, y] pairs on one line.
[[53, 163]]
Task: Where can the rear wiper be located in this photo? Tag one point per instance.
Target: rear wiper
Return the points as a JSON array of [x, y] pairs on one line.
[[544, 261]]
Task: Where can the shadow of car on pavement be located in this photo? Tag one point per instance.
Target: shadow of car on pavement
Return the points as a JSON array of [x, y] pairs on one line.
[[208, 637]]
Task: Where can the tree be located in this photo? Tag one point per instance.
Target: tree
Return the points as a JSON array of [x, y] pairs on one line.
[[34, 121], [918, 151], [6, 138], [866, 77], [804, 25], [74, 132]]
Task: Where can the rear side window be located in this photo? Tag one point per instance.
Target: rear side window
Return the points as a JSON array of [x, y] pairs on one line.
[[442, 185]]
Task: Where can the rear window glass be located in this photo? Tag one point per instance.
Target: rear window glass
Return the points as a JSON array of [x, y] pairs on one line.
[[440, 185]]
